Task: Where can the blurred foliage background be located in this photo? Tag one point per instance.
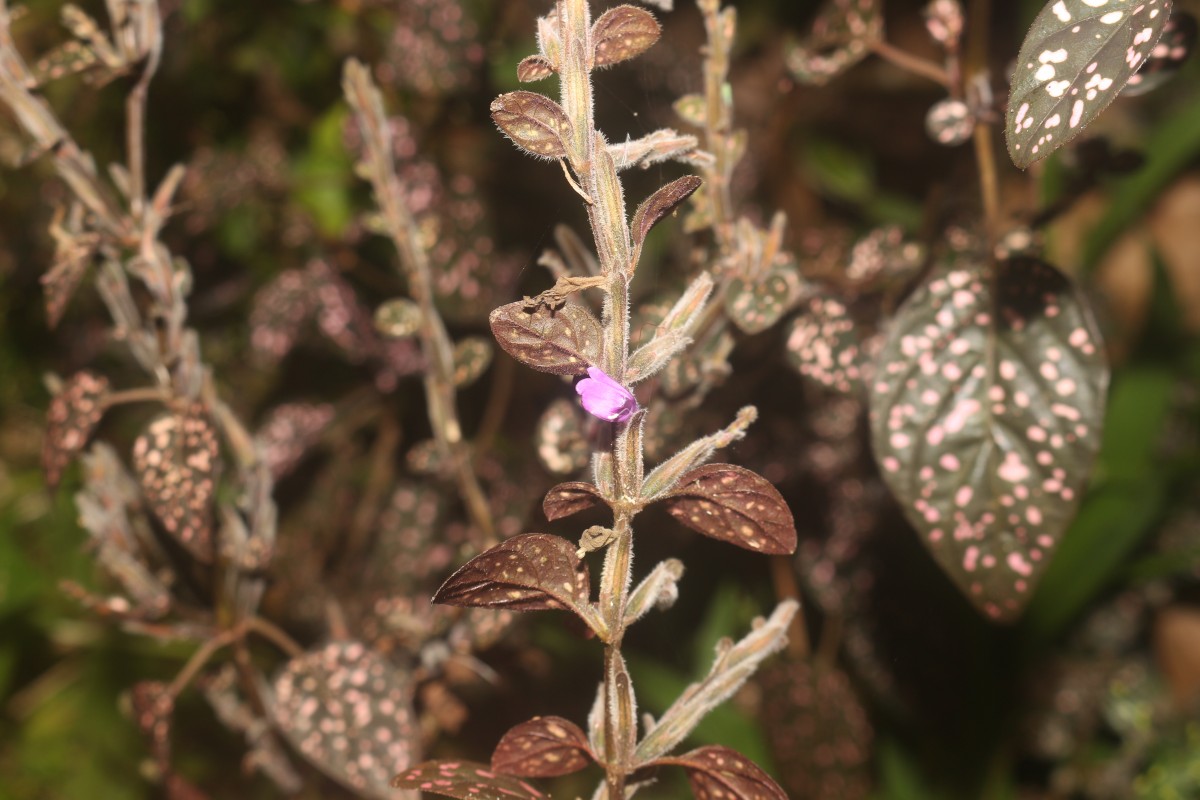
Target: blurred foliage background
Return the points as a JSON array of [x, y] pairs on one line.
[[1098, 680]]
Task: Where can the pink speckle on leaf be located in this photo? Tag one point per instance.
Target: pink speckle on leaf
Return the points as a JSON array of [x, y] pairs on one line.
[[605, 398]]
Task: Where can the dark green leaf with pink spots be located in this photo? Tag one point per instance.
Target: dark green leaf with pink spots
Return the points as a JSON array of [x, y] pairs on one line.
[[466, 780], [841, 37], [543, 747], [755, 305], [1075, 60], [1168, 56], [177, 460], [70, 419], [349, 712], [824, 346], [734, 505], [719, 773], [986, 409]]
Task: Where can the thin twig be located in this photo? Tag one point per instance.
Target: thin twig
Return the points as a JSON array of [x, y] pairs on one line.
[[914, 64]]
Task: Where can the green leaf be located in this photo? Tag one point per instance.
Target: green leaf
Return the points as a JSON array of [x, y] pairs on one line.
[[986, 413], [1075, 60]]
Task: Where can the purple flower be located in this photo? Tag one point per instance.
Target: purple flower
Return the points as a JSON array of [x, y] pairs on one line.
[[605, 398]]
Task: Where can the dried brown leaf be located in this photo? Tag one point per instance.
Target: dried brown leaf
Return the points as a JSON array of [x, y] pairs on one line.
[[570, 498], [661, 203], [622, 33], [543, 747], [534, 122], [719, 773], [565, 341], [529, 572], [465, 780], [734, 505]]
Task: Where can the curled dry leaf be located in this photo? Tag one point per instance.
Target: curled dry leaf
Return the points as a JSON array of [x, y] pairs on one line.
[[70, 419], [534, 68], [985, 416], [349, 712], [529, 572], [465, 780], [564, 341], [177, 464], [1075, 60], [735, 505], [622, 33], [661, 203], [534, 122], [543, 747], [570, 498], [720, 773]]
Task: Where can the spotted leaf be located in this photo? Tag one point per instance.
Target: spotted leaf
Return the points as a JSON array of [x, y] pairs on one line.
[[841, 37], [661, 203], [70, 419], [153, 706], [177, 464], [529, 572], [349, 712], [719, 773], [823, 345], [289, 432], [472, 357], [755, 305], [622, 33], [466, 780], [692, 109], [570, 498], [1168, 56], [534, 122], [1075, 60], [561, 446], [564, 341], [985, 414], [734, 505], [543, 747], [534, 68]]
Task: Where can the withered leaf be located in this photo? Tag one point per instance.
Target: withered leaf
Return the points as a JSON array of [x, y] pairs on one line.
[[661, 203], [534, 68], [570, 498], [70, 419], [734, 505], [529, 572], [565, 341], [349, 712], [177, 464], [465, 780], [534, 122], [543, 747], [719, 773], [622, 33]]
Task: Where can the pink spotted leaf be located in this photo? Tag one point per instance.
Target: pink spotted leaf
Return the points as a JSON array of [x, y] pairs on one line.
[[529, 572], [562, 341], [1173, 50], [349, 712], [824, 345], [841, 36], [734, 505], [543, 747], [466, 780], [70, 419], [560, 439], [720, 773], [986, 410], [177, 461], [1075, 60]]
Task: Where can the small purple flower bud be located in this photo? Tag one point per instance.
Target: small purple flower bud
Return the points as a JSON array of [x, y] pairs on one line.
[[605, 398]]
